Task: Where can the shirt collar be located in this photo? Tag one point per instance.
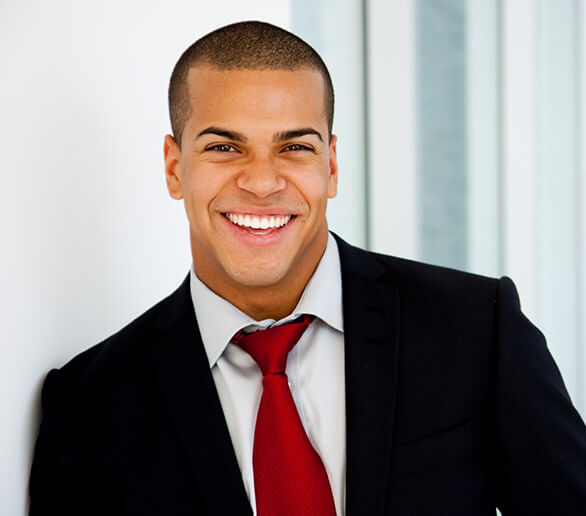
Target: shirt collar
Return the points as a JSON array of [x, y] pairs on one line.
[[219, 320]]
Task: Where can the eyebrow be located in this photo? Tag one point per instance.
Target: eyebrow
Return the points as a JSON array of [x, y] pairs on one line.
[[230, 135], [279, 137], [296, 133]]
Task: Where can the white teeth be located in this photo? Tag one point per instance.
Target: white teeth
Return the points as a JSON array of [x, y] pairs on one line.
[[258, 222]]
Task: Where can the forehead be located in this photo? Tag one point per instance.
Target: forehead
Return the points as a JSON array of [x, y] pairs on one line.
[[285, 96]]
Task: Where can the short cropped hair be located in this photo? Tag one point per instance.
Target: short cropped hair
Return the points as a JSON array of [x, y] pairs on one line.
[[249, 45]]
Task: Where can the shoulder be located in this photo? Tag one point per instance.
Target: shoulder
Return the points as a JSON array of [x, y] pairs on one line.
[[418, 280], [124, 352]]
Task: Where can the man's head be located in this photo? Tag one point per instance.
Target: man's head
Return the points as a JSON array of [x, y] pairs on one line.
[[256, 164], [250, 45]]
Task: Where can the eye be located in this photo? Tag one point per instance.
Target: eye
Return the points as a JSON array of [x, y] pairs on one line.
[[297, 147], [221, 147]]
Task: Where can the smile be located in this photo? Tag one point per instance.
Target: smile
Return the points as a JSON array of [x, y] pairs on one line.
[[258, 222]]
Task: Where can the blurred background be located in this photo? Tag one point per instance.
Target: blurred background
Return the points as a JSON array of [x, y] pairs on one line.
[[461, 143]]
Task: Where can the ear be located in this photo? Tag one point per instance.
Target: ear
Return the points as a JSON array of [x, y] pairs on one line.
[[333, 169], [172, 154]]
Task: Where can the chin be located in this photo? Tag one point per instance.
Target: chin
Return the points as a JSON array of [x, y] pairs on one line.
[[257, 276]]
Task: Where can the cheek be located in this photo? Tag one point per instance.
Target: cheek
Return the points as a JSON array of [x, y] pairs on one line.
[[197, 202], [320, 188], [312, 181], [200, 189]]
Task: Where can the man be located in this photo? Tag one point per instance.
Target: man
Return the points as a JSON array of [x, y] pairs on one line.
[[412, 389]]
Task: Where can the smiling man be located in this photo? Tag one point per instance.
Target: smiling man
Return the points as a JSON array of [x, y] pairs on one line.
[[291, 373]]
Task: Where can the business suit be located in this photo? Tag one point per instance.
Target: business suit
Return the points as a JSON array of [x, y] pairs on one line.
[[453, 405]]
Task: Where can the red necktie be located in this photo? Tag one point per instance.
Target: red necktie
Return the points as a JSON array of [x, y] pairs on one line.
[[289, 476]]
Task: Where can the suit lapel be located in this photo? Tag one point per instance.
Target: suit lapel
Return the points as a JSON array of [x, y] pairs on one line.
[[371, 342], [184, 376]]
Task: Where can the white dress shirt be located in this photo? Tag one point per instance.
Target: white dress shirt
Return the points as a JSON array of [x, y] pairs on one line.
[[315, 368]]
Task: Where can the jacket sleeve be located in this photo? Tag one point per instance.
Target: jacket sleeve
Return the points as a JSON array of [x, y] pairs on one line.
[[57, 483], [540, 437]]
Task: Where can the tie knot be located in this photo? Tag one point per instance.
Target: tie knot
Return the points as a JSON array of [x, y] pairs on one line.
[[269, 348]]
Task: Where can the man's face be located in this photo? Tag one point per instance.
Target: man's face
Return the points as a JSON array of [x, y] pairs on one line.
[[255, 170]]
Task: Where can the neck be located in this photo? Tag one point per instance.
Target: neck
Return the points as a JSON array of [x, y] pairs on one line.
[[273, 301], [261, 303]]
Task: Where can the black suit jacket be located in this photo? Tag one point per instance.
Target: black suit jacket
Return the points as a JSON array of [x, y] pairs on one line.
[[454, 406]]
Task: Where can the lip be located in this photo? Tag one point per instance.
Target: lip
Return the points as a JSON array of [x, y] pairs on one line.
[[259, 212], [255, 237]]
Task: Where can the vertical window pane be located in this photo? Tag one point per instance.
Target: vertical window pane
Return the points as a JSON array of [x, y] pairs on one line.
[[441, 131]]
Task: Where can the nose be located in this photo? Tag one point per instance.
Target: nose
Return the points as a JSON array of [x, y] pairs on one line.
[[261, 178]]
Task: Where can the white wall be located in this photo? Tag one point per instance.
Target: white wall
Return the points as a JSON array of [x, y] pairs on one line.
[[89, 237]]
